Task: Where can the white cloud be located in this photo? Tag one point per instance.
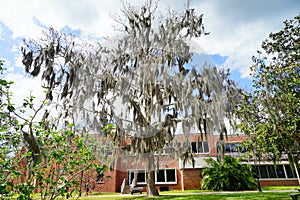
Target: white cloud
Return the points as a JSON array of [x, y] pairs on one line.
[[23, 87], [237, 28], [17, 16], [22, 16], [93, 17]]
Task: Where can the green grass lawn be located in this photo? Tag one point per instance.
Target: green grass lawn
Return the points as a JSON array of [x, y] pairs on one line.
[[279, 188], [196, 194], [269, 193], [235, 196]]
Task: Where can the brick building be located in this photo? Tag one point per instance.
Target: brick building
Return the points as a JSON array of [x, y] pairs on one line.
[[173, 175]]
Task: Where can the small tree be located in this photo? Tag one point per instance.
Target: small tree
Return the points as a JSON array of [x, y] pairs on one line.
[[227, 175], [36, 158], [10, 141], [270, 114], [66, 158]]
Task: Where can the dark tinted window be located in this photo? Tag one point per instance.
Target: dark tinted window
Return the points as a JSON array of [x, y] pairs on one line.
[[194, 147], [263, 171], [141, 177], [171, 175], [289, 172], [206, 147], [271, 171], [280, 171], [160, 176]]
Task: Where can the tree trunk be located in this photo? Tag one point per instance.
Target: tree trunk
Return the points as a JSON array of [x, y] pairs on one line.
[[295, 165], [297, 174], [151, 189], [221, 147], [34, 149]]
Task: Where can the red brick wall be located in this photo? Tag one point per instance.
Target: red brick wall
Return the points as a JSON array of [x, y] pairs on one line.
[[121, 175], [279, 183], [109, 182], [191, 179]]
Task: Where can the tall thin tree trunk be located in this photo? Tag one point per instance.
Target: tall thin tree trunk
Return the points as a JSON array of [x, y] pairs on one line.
[[297, 174], [295, 165], [221, 147], [81, 183], [151, 189]]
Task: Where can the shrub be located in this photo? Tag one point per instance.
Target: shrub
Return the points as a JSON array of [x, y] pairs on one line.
[[228, 175]]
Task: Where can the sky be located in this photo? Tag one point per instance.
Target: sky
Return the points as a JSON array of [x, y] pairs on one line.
[[237, 29]]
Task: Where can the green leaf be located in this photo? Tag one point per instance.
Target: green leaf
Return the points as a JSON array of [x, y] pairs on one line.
[[10, 108], [10, 184]]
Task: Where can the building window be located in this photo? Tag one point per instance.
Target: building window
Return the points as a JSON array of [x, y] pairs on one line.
[[171, 175], [162, 176], [140, 176], [280, 171], [200, 147], [234, 148], [263, 172], [100, 178], [165, 176], [289, 172], [273, 172]]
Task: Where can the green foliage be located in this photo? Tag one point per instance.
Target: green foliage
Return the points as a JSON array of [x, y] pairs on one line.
[[51, 162], [6, 120], [65, 158], [25, 190], [100, 169], [271, 112], [9, 141], [227, 175]]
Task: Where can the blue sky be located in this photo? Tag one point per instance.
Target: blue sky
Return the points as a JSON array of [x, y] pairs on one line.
[[237, 28]]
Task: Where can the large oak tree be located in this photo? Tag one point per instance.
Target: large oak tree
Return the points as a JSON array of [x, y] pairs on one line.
[[140, 80]]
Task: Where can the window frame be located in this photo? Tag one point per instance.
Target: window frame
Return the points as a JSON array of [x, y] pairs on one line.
[[132, 171], [136, 171], [236, 149], [268, 166], [202, 147], [166, 177]]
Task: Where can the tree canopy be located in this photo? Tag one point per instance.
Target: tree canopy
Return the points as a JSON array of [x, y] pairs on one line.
[[271, 112]]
